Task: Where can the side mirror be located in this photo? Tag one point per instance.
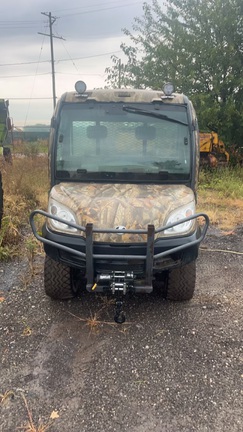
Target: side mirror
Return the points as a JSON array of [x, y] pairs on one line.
[[53, 122]]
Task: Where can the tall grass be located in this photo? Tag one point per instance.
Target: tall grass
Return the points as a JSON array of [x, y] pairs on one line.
[[227, 182], [221, 196], [31, 149], [25, 185]]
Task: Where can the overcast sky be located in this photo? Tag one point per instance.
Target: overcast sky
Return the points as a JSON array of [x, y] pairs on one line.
[[92, 30]]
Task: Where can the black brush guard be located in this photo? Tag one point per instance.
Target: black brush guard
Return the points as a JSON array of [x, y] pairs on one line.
[[89, 256]]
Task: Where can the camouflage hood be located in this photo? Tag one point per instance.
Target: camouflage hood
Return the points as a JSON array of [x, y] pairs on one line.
[[132, 206]]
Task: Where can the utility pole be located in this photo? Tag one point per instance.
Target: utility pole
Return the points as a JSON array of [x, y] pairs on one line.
[[52, 19], [119, 74]]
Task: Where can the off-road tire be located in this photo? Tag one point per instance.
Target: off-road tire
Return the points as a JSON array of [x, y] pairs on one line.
[[181, 283], [1, 200], [58, 280]]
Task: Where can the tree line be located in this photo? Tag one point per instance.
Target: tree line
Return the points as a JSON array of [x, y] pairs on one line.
[[198, 46]]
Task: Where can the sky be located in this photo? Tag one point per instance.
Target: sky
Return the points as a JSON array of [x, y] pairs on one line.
[[87, 33]]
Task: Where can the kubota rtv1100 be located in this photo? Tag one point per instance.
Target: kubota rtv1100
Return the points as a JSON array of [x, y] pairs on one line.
[[122, 206]]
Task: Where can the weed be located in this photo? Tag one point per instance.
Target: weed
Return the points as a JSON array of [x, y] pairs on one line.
[[8, 394], [30, 427], [32, 247], [94, 323], [27, 330], [9, 238], [107, 301]]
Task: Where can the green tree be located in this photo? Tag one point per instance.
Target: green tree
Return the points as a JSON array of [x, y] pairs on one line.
[[198, 45]]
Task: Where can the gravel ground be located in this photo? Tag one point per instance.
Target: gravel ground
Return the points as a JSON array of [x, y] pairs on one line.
[[173, 367]]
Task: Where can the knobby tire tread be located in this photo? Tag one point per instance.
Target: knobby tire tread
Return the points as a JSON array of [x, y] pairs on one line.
[[181, 283], [57, 280]]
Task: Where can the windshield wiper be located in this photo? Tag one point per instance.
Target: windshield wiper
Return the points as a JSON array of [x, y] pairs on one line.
[[135, 110]]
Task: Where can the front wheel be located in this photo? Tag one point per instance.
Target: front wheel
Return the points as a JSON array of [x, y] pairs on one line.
[[181, 283], [59, 283]]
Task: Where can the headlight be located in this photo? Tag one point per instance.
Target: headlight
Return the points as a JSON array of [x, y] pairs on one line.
[[177, 215], [63, 212]]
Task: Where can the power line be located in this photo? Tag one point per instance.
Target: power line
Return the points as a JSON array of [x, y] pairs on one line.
[[24, 76], [34, 22], [24, 63], [48, 73], [13, 25], [90, 5], [33, 85], [79, 74], [52, 19], [19, 21], [31, 24], [101, 9], [70, 57], [63, 60], [25, 98], [17, 27]]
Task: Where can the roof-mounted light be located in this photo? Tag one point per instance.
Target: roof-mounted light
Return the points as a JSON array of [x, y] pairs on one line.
[[80, 87], [168, 89]]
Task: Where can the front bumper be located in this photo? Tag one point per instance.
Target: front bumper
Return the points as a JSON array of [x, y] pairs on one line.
[[145, 260]]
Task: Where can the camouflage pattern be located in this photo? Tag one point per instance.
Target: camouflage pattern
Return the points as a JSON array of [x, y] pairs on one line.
[[132, 206], [123, 95]]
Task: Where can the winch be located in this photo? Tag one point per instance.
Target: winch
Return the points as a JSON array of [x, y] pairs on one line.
[[119, 282]]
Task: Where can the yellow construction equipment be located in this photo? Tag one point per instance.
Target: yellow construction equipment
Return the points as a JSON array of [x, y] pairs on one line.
[[212, 150]]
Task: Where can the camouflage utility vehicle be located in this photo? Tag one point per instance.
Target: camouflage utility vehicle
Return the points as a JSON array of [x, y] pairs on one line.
[[121, 215]]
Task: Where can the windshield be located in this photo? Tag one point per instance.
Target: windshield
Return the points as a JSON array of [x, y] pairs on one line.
[[140, 142]]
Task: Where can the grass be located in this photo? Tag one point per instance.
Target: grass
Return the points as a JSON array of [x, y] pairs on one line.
[[26, 184], [30, 149], [220, 195], [227, 182]]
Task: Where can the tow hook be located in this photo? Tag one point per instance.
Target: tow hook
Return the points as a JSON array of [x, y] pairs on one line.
[[120, 282], [119, 317]]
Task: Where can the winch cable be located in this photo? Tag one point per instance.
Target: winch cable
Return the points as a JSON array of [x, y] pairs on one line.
[[220, 250]]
